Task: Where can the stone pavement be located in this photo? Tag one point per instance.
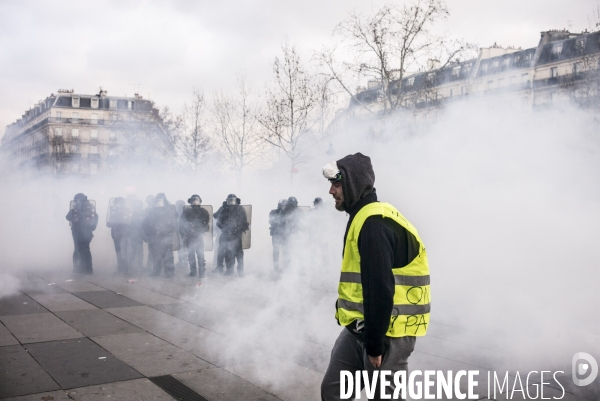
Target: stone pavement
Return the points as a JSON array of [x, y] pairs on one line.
[[102, 337]]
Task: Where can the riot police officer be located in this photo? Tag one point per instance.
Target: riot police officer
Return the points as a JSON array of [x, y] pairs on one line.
[[135, 242], [232, 221], [193, 223], [150, 201], [277, 231], [159, 225], [84, 220], [119, 219], [182, 256], [291, 217]]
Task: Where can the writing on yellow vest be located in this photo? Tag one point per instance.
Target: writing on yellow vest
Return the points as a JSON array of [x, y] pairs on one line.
[[412, 296]]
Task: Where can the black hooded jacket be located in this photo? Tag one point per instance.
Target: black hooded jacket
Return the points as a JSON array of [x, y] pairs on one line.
[[194, 221], [84, 219], [160, 222], [383, 244], [232, 221]]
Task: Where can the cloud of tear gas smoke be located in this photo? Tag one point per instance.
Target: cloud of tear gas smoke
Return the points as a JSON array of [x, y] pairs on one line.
[[506, 201]]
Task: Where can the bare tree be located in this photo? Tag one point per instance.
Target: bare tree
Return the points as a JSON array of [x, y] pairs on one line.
[[191, 139], [387, 44], [292, 107], [236, 128], [584, 82]]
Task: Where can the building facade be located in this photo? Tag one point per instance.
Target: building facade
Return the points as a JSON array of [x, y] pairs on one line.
[[71, 133], [563, 67]]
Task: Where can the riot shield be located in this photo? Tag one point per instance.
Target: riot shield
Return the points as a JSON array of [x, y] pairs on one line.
[[208, 236], [247, 236], [121, 213], [92, 210]]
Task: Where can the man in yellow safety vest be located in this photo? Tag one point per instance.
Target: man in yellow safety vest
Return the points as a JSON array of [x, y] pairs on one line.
[[383, 294]]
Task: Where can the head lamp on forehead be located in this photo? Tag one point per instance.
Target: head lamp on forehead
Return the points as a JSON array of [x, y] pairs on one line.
[[332, 173]]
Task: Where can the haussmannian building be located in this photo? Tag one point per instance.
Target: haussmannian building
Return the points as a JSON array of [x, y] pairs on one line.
[[563, 67], [71, 133]]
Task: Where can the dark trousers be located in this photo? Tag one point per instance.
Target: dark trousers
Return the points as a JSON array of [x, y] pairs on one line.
[[349, 353], [220, 256], [135, 245], [286, 252], [277, 242], [150, 262], [229, 251], [195, 248], [122, 251], [239, 257], [82, 256], [162, 256], [182, 254]]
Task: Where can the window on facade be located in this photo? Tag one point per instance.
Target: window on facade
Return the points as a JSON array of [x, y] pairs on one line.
[[112, 103], [73, 149], [95, 103], [430, 77], [410, 81], [512, 80], [451, 92], [495, 64], [525, 78], [518, 59], [580, 46], [490, 84], [501, 82], [483, 67], [556, 50], [576, 68], [58, 115], [58, 132], [129, 105], [75, 116], [463, 90], [75, 102], [94, 118], [94, 134], [553, 72], [113, 136], [75, 133], [506, 62], [94, 149], [456, 71]]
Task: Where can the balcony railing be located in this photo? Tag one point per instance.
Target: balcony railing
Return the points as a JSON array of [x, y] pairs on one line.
[[85, 121]]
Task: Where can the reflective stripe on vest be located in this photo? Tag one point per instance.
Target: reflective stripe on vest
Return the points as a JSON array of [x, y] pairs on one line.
[[412, 297]]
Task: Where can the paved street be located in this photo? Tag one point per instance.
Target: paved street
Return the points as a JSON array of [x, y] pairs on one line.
[[104, 337]]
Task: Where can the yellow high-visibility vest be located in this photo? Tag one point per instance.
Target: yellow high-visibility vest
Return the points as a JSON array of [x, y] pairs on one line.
[[412, 296]]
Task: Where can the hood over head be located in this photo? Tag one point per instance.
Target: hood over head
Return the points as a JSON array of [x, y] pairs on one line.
[[358, 178]]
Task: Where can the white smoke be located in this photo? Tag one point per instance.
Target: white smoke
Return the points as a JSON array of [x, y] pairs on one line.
[[506, 201]]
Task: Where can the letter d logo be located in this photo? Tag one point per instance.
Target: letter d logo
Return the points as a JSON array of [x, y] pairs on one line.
[[580, 368]]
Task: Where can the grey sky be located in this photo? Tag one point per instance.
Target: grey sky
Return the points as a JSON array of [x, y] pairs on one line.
[[170, 47]]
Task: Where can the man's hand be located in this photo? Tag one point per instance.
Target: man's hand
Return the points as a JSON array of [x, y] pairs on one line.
[[375, 360]]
